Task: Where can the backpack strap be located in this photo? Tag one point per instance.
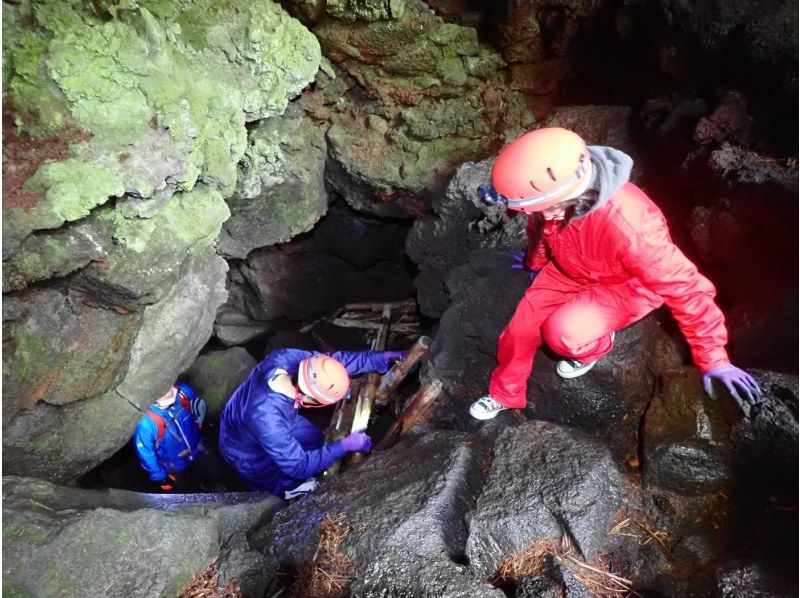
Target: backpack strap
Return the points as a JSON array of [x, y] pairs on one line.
[[160, 422]]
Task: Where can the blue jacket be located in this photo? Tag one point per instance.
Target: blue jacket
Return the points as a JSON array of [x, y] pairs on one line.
[[177, 448], [263, 437]]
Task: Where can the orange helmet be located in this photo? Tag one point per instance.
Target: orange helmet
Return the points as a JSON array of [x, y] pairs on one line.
[[540, 169], [323, 378]]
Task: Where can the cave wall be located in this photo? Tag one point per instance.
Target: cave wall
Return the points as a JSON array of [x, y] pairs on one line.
[[143, 144]]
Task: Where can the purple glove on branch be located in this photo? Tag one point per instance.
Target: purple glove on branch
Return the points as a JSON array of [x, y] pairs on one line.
[[357, 442], [392, 356], [735, 381], [518, 263]]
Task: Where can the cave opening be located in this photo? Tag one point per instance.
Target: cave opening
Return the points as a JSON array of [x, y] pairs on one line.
[[356, 259]]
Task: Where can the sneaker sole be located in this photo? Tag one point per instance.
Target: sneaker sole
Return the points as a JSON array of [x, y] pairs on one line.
[[484, 415], [576, 373]]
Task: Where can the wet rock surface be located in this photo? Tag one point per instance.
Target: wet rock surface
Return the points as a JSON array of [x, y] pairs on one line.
[[545, 481], [417, 508], [693, 445], [62, 541]]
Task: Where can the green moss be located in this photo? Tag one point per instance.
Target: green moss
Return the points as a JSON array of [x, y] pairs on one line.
[[18, 530], [11, 590], [30, 354], [54, 583], [199, 69], [71, 189]]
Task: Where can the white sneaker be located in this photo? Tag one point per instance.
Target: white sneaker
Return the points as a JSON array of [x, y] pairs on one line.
[[304, 488], [486, 408], [572, 368]]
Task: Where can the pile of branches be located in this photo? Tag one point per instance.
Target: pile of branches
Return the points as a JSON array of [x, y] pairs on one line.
[[537, 560], [330, 573], [206, 585]]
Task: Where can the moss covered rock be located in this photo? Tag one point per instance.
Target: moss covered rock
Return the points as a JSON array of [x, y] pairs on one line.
[[280, 192], [60, 350], [215, 375], [169, 84], [61, 442]]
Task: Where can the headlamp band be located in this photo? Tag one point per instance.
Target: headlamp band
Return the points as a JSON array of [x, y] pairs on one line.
[[316, 391], [542, 198]]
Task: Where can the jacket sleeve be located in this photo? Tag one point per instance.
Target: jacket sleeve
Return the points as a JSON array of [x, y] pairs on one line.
[[653, 258], [292, 459], [536, 256], [362, 362], [144, 440]]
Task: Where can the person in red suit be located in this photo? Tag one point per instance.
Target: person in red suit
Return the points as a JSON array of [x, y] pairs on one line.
[[601, 258]]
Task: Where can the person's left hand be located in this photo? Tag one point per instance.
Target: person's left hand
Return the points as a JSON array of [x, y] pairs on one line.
[[736, 381]]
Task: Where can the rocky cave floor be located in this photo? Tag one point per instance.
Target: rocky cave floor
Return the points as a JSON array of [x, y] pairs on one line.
[[188, 185]]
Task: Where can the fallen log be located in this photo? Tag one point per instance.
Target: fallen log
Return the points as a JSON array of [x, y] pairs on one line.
[[418, 406], [392, 379]]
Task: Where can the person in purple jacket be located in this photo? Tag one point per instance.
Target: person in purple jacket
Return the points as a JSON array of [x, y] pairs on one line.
[[262, 435]]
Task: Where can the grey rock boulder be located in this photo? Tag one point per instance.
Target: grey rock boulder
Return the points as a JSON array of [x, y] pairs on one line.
[[693, 445], [403, 573], [63, 541], [216, 374], [461, 224], [416, 511], [545, 481], [62, 443], [280, 191]]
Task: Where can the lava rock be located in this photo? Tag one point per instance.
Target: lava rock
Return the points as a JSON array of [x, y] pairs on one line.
[[62, 443], [693, 445], [280, 191], [299, 282], [742, 165], [613, 395], [250, 570], [462, 224], [748, 580], [65, 541], [393, 501], [402, 572], [216, 374], [545, 481]]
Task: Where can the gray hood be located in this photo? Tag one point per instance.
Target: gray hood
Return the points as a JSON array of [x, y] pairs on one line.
[[612, 169]]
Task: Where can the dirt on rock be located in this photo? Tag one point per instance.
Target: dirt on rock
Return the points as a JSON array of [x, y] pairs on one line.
[[22, 156]]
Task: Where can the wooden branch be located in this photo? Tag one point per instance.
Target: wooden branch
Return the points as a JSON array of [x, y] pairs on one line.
[[418, 406], [381, 306], [392, 379], [341, 424], [367, 397]]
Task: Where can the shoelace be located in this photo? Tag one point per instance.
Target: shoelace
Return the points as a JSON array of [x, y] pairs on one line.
[[488, 403]]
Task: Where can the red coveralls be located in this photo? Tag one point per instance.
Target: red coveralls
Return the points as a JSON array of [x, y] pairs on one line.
[[599, 274]]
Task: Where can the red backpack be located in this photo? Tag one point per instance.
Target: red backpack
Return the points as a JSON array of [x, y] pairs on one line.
[[161, 423]]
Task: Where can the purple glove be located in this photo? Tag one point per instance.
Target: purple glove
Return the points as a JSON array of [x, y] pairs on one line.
[[392, 356], [357, 442], [735, 381], [518, 263]]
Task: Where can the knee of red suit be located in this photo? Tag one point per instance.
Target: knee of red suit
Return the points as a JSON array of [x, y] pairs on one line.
[[572, 327]]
